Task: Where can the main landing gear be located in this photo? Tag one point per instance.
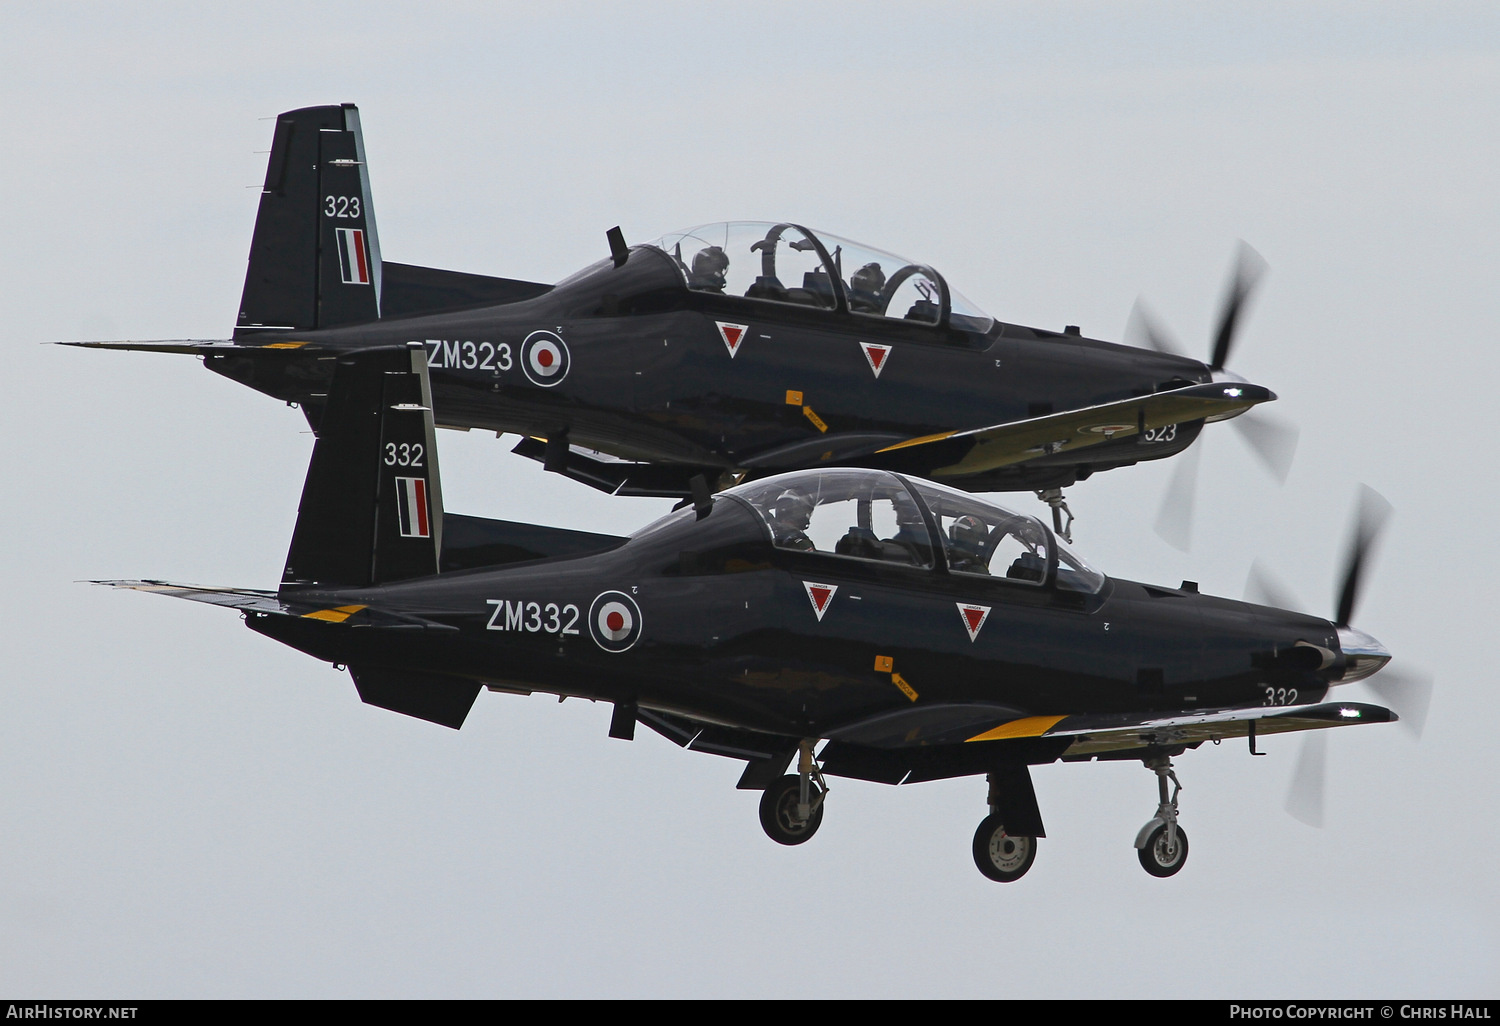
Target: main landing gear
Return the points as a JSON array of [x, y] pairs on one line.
[[1000, 856], [1161, 844], [1005, 855], [791, 810]]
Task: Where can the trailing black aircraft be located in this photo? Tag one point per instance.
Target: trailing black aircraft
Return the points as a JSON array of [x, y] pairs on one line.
[[862, 623], [729, 352]]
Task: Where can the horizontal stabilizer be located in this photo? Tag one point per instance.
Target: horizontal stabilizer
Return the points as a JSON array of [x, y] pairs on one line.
[[184, 346], [269, 603]]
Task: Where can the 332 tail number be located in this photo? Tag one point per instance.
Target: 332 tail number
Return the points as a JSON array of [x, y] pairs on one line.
[[407, 454]]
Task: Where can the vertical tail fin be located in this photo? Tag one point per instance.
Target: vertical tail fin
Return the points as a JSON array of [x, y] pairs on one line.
[[314, 258], [372, 506]]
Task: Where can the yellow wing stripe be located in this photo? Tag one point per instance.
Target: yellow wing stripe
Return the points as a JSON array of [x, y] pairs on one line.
[[1030, 726], [919, 441], [338, 615]]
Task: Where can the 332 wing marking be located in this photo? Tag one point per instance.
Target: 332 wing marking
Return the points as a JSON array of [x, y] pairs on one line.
[[1095, 734]]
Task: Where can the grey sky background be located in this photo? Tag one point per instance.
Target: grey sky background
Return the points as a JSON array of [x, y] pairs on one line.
[[190, 810]]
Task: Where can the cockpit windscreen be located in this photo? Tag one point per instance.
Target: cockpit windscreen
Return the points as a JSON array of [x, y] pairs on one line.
[[786, 263]]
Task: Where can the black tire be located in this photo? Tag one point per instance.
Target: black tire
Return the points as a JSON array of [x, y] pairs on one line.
[[778, 812], [1157, 859], [1000, 856]]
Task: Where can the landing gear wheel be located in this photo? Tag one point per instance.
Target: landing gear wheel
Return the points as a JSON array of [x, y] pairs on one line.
[[1157, 858], [778, 811], [1000, 856]]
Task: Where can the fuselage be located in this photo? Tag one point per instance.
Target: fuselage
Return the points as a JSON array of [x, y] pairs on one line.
[[715, 622], [628, 361]]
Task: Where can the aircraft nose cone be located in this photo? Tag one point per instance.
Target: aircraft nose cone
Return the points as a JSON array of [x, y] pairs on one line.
[[1362, 653]]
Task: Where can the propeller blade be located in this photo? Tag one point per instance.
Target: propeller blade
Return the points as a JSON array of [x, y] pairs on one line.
[[1373, 511], [1145, 331], [1249, 268], [1174, 523], [1273, 441], [1263, 588], [1408, 693], [1304, 798]]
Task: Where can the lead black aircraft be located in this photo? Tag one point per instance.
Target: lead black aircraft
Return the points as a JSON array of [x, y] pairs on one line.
[[860, 622], [727, 352]]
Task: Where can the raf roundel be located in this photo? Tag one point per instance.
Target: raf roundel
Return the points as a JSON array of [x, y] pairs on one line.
[[544, 358], [614, 621]]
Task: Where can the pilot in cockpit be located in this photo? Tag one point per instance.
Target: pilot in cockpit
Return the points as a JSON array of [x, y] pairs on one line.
[[865, 286], [789, 520], [967, 539], [710, 265], [910, 545]]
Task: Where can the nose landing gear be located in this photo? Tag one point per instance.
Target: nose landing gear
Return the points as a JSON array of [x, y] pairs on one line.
[[1161, 844]]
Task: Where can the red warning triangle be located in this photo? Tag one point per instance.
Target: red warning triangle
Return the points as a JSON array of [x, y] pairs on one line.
[[733, 335], [973, 617], [875, 355], [820, 595]]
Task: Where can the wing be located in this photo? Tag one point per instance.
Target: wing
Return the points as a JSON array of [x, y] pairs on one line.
[[1093, 734], [1003, 445]]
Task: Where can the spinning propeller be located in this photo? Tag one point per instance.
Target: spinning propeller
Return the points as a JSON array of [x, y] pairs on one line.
[[1272, 440], [1409, 693]]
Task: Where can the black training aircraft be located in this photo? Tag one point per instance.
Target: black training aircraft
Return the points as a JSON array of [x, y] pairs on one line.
[[915, 631], [727, 352]]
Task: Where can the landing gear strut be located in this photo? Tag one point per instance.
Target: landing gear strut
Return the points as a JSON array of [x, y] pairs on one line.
[[1000, 855], [1054, 498], [1161, 844], [791, 810]]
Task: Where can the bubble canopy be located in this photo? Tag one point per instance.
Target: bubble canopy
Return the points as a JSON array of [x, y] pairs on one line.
[[787, 263], [875, 515]]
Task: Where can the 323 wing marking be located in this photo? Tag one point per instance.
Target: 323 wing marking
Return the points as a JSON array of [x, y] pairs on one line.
[[1002, 445]]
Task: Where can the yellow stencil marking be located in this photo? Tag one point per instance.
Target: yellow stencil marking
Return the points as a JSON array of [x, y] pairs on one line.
[[884, 664], [906, 689], [920, 441], [793, 398], [338, 615], [285, 345], [1030, 726], [807, 411]]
